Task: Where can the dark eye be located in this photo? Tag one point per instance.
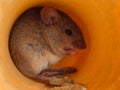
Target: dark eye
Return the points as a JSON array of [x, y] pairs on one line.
[[68, 32]]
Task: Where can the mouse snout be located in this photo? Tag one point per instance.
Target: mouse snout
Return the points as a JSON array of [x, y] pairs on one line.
[[79, 44]]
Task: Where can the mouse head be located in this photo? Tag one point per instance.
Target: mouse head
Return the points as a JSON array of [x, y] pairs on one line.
[[61, 33]]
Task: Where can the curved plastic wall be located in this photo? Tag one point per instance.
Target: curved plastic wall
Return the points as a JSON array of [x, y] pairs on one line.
[[98, 65]]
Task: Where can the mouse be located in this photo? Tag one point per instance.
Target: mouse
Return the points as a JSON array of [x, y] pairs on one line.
[[41, 37]]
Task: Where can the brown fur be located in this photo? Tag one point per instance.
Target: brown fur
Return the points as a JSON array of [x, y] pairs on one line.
[[35, 43]]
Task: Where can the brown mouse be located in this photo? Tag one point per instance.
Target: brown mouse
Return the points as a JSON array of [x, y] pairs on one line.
[[41, 37]]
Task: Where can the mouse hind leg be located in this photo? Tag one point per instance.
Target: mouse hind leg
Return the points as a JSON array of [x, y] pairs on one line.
[[52, 73], [57, 71]]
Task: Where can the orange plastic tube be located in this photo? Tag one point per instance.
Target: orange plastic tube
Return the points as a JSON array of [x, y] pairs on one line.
[[98, 66]]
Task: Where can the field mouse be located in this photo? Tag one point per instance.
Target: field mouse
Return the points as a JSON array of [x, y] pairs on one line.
[[41, 37]]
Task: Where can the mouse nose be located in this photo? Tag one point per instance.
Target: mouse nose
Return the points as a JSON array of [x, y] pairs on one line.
[[79, 44]]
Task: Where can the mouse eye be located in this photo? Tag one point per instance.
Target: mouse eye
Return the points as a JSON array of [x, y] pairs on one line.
[[68, 32]]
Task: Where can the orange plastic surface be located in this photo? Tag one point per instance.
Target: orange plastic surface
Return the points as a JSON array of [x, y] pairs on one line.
[[98, 66]]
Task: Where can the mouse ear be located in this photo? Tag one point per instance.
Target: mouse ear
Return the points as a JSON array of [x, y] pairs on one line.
[[49, 16]]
